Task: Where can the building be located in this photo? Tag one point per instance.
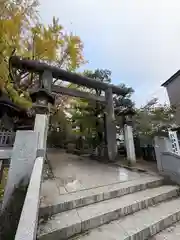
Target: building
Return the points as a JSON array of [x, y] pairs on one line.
[[172, 86]]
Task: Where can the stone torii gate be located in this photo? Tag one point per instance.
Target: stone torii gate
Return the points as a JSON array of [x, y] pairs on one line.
[[48, 73]]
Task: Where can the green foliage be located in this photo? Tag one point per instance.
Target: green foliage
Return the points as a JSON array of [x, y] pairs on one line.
[[1, 191], [153, 119], [89, 116], [60, 129], [3, 182], [124, 101]]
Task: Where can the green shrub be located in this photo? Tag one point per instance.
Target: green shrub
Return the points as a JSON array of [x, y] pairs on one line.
[[3, 182]]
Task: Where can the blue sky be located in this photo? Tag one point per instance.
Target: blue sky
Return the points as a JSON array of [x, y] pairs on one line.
[[138, 40]]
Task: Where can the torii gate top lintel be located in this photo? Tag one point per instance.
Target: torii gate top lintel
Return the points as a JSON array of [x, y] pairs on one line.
[[40, 67]]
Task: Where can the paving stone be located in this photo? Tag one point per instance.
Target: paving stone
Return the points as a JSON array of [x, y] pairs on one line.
[[58, 203], [111, 231], [94, 215], [126, 204], [89, 174], [97, 194], [141, 225], [50, 188], [171, 233], [61, 226], [146, 223]]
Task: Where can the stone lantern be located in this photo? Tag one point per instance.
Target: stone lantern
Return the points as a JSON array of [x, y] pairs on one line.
[[127, 115], [42, 96]]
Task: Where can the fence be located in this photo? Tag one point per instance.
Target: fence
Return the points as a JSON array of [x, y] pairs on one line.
[[5, 155], [7, 139]]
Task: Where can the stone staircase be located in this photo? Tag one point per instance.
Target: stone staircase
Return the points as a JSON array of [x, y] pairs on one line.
[[137, 209]]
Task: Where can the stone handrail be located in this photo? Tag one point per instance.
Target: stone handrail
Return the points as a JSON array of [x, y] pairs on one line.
[[25, 173], [170, 164], [27, 226]]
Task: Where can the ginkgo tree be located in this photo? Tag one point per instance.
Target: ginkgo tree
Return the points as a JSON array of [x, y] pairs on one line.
[[21, 31]]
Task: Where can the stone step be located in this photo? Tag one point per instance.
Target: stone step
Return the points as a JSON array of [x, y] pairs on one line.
[[170, 233], [142, 225], [69, 223], [70, 201]]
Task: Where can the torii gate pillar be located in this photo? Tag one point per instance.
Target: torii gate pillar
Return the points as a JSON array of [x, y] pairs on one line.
[[110, 126]]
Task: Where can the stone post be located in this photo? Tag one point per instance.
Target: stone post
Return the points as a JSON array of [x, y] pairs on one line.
[[41, 127], [161, 144], [129, 143], [110, 126]]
